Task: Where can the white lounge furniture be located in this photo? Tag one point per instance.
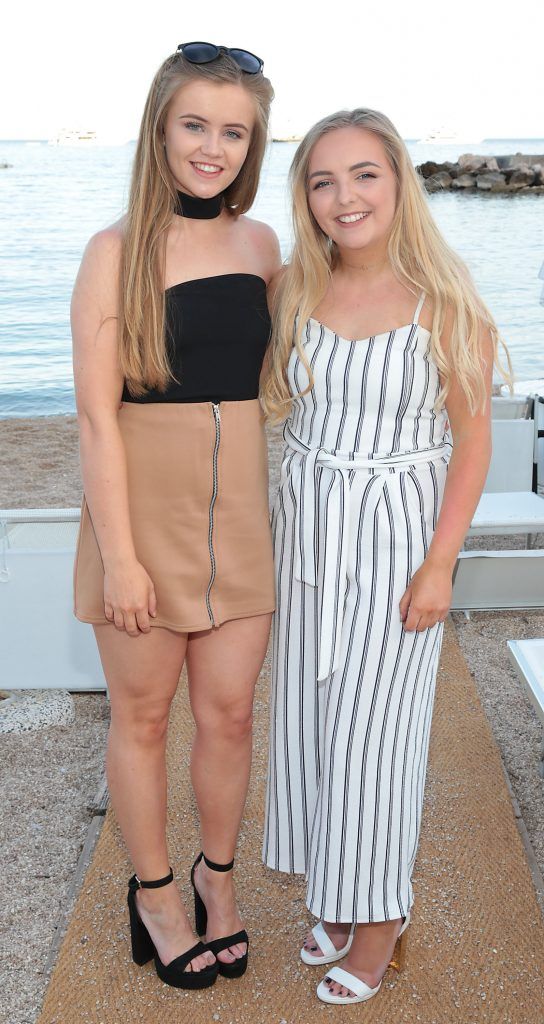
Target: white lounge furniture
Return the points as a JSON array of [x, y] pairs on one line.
[[511, 467], [508, 512], [510, 407], [492, 580], [509, 505], [42, 645], [527, 657]]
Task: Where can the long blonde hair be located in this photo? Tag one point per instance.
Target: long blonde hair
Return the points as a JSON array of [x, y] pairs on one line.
[[141, 325], [419, 257]]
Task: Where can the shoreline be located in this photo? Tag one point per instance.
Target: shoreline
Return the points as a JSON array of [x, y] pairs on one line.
[[521, 386]]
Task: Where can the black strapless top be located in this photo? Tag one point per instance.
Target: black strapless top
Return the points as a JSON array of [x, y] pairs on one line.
[[217, 331]]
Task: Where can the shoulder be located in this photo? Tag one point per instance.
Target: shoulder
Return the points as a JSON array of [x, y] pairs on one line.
[[97, 279], [105, 246], [258, 230], [475, 326], [265, 240]]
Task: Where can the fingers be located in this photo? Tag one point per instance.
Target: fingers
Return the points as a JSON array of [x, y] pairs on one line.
[[417, 620], [126, 620], [404, 603], [142, 620], [129, 620], [132, 618]]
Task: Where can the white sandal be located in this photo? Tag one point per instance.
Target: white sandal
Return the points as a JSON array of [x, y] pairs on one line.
[[330, 953], [361, 990]]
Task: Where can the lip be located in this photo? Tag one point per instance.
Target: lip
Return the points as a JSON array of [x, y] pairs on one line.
[[361, 215], [208, 175]]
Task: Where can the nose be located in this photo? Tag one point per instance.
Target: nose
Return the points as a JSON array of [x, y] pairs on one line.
[[345, 192], [211, 144]]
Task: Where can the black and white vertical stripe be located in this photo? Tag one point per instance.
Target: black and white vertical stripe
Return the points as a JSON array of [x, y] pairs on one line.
[[348, 755]]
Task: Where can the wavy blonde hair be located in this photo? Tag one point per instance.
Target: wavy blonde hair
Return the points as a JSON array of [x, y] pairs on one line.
[[420, 259], [141, 325]]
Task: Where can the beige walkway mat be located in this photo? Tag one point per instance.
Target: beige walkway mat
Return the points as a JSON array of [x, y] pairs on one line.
[[476, 945]]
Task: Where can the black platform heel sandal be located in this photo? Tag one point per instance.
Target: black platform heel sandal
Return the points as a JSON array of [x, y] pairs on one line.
[[143, 947], [238, 966]]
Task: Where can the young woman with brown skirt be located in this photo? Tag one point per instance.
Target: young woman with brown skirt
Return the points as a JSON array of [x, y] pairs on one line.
[[174, 563]]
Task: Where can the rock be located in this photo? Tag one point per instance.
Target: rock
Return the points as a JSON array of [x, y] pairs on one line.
[[523, 175], [428, 169], [513, 161], [470, 162], [439, 181], [492, 181], [514, 173], [464, 181]]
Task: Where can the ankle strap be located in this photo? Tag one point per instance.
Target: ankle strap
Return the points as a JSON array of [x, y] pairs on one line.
[[138, 883], [217, 867]]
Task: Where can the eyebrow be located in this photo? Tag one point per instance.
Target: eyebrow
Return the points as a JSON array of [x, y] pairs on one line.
[[232, 124], [354, 167]]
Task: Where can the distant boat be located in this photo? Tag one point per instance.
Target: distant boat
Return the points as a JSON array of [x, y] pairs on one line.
[[73, 137], [445, 136]]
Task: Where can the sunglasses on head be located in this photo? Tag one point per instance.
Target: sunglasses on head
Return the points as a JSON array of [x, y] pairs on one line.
[[204, 53]]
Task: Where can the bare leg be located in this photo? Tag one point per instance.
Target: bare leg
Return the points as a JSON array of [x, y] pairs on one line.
[[223, 665], [142, 674]]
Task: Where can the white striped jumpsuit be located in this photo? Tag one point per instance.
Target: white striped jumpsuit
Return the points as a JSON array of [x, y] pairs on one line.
[[361, 485]]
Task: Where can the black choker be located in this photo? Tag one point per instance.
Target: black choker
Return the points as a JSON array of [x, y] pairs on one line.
[[198, 209]]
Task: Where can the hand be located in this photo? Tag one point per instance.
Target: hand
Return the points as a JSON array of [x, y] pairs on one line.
[[427, 599], [129, 598]]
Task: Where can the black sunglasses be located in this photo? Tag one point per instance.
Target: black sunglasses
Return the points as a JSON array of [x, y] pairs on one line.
[[204, 53]]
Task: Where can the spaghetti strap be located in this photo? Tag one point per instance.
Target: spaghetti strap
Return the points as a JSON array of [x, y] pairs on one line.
[[419, 307]]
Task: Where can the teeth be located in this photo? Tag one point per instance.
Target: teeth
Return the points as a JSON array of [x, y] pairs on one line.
[[209, 168], [350, 218]]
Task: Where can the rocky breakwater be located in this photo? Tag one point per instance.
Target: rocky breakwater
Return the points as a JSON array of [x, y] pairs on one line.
[[516, 173]]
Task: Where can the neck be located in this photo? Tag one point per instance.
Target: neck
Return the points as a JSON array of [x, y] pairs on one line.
[[371, 261], [194, 208]]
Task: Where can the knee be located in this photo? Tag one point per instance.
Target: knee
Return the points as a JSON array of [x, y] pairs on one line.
[[145, 724], [232, 721]]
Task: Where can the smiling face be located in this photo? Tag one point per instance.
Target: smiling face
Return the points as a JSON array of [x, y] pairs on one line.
[[207, 133], [352, 190]]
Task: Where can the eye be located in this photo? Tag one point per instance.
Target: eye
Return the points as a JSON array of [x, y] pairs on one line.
[[366, 174], [232, 134], [321, 184], [193, 125]]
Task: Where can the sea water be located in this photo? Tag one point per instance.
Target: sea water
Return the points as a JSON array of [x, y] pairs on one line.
[[53, 198]]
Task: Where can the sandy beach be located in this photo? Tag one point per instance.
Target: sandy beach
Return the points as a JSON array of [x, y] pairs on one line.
[[50, 777]]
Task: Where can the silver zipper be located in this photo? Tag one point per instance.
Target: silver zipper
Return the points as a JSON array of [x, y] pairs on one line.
[[217, 418]]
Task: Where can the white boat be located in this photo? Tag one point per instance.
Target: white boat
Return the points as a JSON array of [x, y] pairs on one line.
[[444, 136], [73, 137]]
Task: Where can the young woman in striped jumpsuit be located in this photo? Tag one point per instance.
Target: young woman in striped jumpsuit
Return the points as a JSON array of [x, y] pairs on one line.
[[391, 346]]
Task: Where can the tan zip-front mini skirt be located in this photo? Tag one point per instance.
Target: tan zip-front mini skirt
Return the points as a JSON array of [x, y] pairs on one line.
[[198, 502]]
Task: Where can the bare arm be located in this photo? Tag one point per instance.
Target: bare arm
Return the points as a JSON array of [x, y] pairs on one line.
[[428, 598], [271, 296], [128, 592]]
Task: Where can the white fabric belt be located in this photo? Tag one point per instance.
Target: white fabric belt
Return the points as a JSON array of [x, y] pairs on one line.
[[336, 539]]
